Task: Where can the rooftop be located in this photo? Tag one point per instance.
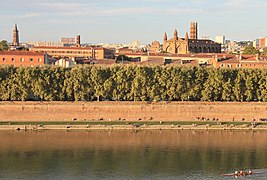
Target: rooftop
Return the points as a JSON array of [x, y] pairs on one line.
[[22, 53]]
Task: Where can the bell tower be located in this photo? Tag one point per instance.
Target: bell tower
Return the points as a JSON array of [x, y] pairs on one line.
[[193, 30], [15, 41]]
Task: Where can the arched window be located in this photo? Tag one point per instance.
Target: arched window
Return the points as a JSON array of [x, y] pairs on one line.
[[190, 48], [195, 50], [200, 50]]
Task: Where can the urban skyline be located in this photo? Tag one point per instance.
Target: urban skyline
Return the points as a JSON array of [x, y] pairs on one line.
[[117, 21]]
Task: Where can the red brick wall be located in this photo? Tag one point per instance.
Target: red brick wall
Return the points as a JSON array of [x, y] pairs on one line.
[[23, 59], [163, 111]]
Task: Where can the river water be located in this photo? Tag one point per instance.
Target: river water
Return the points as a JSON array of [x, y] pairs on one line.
[[131, 155]]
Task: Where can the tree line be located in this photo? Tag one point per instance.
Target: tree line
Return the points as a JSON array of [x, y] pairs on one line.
[[132, 83]]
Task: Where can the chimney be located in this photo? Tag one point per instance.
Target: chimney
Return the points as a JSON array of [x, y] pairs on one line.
[[240, 57], [78, 41], [257, 56], [216, 58]]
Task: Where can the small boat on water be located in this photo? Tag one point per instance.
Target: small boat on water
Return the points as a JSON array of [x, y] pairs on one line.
[[242, 173]]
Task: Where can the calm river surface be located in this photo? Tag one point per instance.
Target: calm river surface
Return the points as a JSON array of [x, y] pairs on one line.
[[131, 155]]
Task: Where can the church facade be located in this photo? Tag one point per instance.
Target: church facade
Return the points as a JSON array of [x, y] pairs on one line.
[[178, 45]]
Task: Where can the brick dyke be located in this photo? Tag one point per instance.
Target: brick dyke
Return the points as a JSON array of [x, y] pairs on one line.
[[131, 111]]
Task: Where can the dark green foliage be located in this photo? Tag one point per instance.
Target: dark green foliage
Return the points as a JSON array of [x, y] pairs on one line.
[[132, 83], [3, 45], [251, 50], [264, 52]]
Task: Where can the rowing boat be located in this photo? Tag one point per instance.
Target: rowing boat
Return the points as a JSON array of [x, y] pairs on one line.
[[243, 174]]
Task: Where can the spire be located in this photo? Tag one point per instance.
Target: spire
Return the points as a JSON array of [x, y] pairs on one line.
[[175, 33], [15, 36], [165, 37], [16, 27], [186, 36]]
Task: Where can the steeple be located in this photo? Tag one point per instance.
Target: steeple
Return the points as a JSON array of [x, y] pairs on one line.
[[15, 27], [165, 37], [175, 33], [15, 36]]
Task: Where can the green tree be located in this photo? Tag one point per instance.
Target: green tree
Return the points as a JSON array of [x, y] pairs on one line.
[[264, 52], [213, 87], [239, 85], [4, 45], [251, 50], [122, 58]]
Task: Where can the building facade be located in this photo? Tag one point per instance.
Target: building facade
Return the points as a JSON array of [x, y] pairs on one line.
[[220, 39], [178, 45], [155, 47], [175, 45], [23, 58], [70, 52], [239, 61]]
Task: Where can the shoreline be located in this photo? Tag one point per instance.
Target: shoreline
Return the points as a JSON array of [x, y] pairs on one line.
[[128, 127], [107, 115]]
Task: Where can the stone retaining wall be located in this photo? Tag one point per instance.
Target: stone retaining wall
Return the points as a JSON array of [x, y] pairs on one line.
[[131, 111]]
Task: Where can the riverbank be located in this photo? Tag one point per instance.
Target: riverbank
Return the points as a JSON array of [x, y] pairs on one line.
[[39, 126], [132, 111]]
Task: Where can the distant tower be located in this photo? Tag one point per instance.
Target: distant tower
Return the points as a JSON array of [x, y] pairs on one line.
[[193, 30], [165, 37], [78, 41], [15, 36]]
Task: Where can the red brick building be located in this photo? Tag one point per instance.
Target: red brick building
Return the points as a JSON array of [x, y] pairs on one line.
[[23, 58], [239, 61], [88, 52]]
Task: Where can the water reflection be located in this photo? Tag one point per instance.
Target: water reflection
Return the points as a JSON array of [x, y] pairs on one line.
[[130, 155]]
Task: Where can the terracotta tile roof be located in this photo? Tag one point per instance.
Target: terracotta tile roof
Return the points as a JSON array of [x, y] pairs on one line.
[[67, 47], [22, 53]]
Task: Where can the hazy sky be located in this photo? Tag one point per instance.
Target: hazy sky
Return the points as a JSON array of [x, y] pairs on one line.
[[122, 21]]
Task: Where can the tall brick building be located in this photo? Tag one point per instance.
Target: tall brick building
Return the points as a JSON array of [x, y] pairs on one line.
[[15, 41]]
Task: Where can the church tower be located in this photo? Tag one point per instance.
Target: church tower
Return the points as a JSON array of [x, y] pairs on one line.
[[193, 30], [15, 36]]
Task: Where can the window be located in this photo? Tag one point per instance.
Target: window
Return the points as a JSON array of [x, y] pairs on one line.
[[22, 59], [31, 59], [39, 59], [12, 59], [4, 59]]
